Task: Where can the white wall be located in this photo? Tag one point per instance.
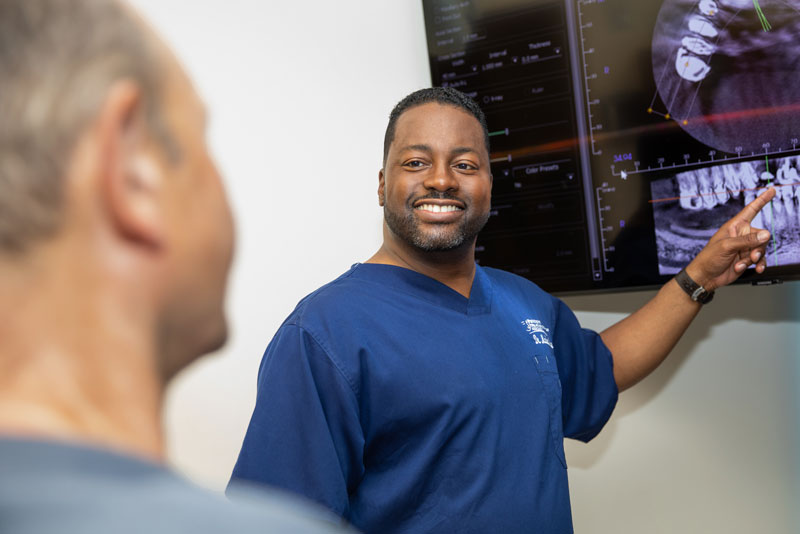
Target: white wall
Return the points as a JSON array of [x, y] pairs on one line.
[[710, 441], [299, 93]]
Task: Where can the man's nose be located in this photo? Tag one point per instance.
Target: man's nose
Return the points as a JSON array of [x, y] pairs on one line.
[[442, 179]]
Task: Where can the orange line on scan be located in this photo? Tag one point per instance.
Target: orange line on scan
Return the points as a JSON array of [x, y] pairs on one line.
[[639, 130], [670, 199]]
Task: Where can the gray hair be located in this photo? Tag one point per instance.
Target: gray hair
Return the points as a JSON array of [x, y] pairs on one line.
[[58, 59]]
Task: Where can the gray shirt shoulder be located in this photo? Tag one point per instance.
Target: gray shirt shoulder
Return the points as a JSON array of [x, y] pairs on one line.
[[48, 487]]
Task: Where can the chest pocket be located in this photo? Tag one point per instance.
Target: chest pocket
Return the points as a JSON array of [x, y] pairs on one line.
[[551, 385]]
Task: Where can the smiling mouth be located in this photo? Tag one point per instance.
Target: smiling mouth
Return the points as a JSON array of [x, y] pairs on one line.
[[439, 208]]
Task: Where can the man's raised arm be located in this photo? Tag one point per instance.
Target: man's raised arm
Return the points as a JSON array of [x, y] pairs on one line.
[[641, 341]]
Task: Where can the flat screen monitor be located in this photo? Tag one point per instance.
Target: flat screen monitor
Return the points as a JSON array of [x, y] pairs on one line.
[[625, 132]]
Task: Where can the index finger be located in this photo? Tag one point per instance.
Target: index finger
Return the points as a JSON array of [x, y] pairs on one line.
[[751, 210]]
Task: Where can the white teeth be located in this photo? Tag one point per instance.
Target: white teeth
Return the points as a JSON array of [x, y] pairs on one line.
[[749, 176], [733, 182], [703, 26], [708, 8], [718, 183], [699, 46], [689, 198], [690, 68], [706, 189], [436, 208], [787, 178]]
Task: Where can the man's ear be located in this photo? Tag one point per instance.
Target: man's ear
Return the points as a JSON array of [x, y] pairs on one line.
[[381, 186], [131, 180]]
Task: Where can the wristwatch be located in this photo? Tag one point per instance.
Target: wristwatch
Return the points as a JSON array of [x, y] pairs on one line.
[[697, 292]]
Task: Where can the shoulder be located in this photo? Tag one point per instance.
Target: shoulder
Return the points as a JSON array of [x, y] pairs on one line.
[[252, 510], [328, 321], [92, 490], [334, 298]]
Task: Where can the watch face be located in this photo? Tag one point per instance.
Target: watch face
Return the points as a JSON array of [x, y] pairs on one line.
[[702, 296], [698, 294]]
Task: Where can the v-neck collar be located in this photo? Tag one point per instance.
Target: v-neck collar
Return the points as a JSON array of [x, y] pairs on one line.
[[426, 288]]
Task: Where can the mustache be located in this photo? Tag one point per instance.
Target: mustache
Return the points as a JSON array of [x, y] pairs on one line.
[[438, 195]]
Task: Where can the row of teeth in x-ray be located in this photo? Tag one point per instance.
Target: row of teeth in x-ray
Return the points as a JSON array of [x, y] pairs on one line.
[[705, 189], [691, 62]]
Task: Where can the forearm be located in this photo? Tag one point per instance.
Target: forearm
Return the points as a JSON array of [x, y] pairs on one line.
[[641, 341]]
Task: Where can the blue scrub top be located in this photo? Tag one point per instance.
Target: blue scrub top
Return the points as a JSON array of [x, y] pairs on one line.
[[406, 407]]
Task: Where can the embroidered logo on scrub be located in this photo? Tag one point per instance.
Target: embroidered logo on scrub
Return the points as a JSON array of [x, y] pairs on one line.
[[539, 332]]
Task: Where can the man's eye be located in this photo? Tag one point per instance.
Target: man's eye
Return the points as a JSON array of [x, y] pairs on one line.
[[414, 163], [466, 166]]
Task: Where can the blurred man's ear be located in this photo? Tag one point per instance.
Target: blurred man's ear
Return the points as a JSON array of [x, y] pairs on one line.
[[131, 180], [381, 187]]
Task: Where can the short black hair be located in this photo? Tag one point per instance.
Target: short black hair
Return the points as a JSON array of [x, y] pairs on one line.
[[441, 95]]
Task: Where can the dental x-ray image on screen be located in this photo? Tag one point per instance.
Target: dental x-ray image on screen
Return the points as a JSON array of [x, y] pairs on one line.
[[728, 76], [690, 207], [625, 132]]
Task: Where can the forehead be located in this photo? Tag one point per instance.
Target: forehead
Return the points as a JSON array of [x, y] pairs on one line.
[[438, 125]]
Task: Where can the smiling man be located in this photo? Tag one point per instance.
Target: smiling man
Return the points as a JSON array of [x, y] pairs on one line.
[[419, 392]]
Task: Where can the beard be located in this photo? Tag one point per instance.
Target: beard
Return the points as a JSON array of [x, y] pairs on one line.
[[441, 237]]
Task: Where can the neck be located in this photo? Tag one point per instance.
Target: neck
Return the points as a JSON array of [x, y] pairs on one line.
[[75, 365], [454, 268]]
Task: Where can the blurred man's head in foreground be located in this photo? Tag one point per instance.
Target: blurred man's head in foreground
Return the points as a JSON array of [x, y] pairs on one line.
[[110, 205]]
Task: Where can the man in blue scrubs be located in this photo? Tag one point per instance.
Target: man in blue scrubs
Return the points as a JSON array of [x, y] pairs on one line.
[[419, 392]]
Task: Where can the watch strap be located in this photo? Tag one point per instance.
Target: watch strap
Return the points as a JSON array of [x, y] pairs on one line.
[[695, 291]]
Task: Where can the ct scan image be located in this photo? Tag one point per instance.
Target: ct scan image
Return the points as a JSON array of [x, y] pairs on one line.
[[690, 207], [726, 71]]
